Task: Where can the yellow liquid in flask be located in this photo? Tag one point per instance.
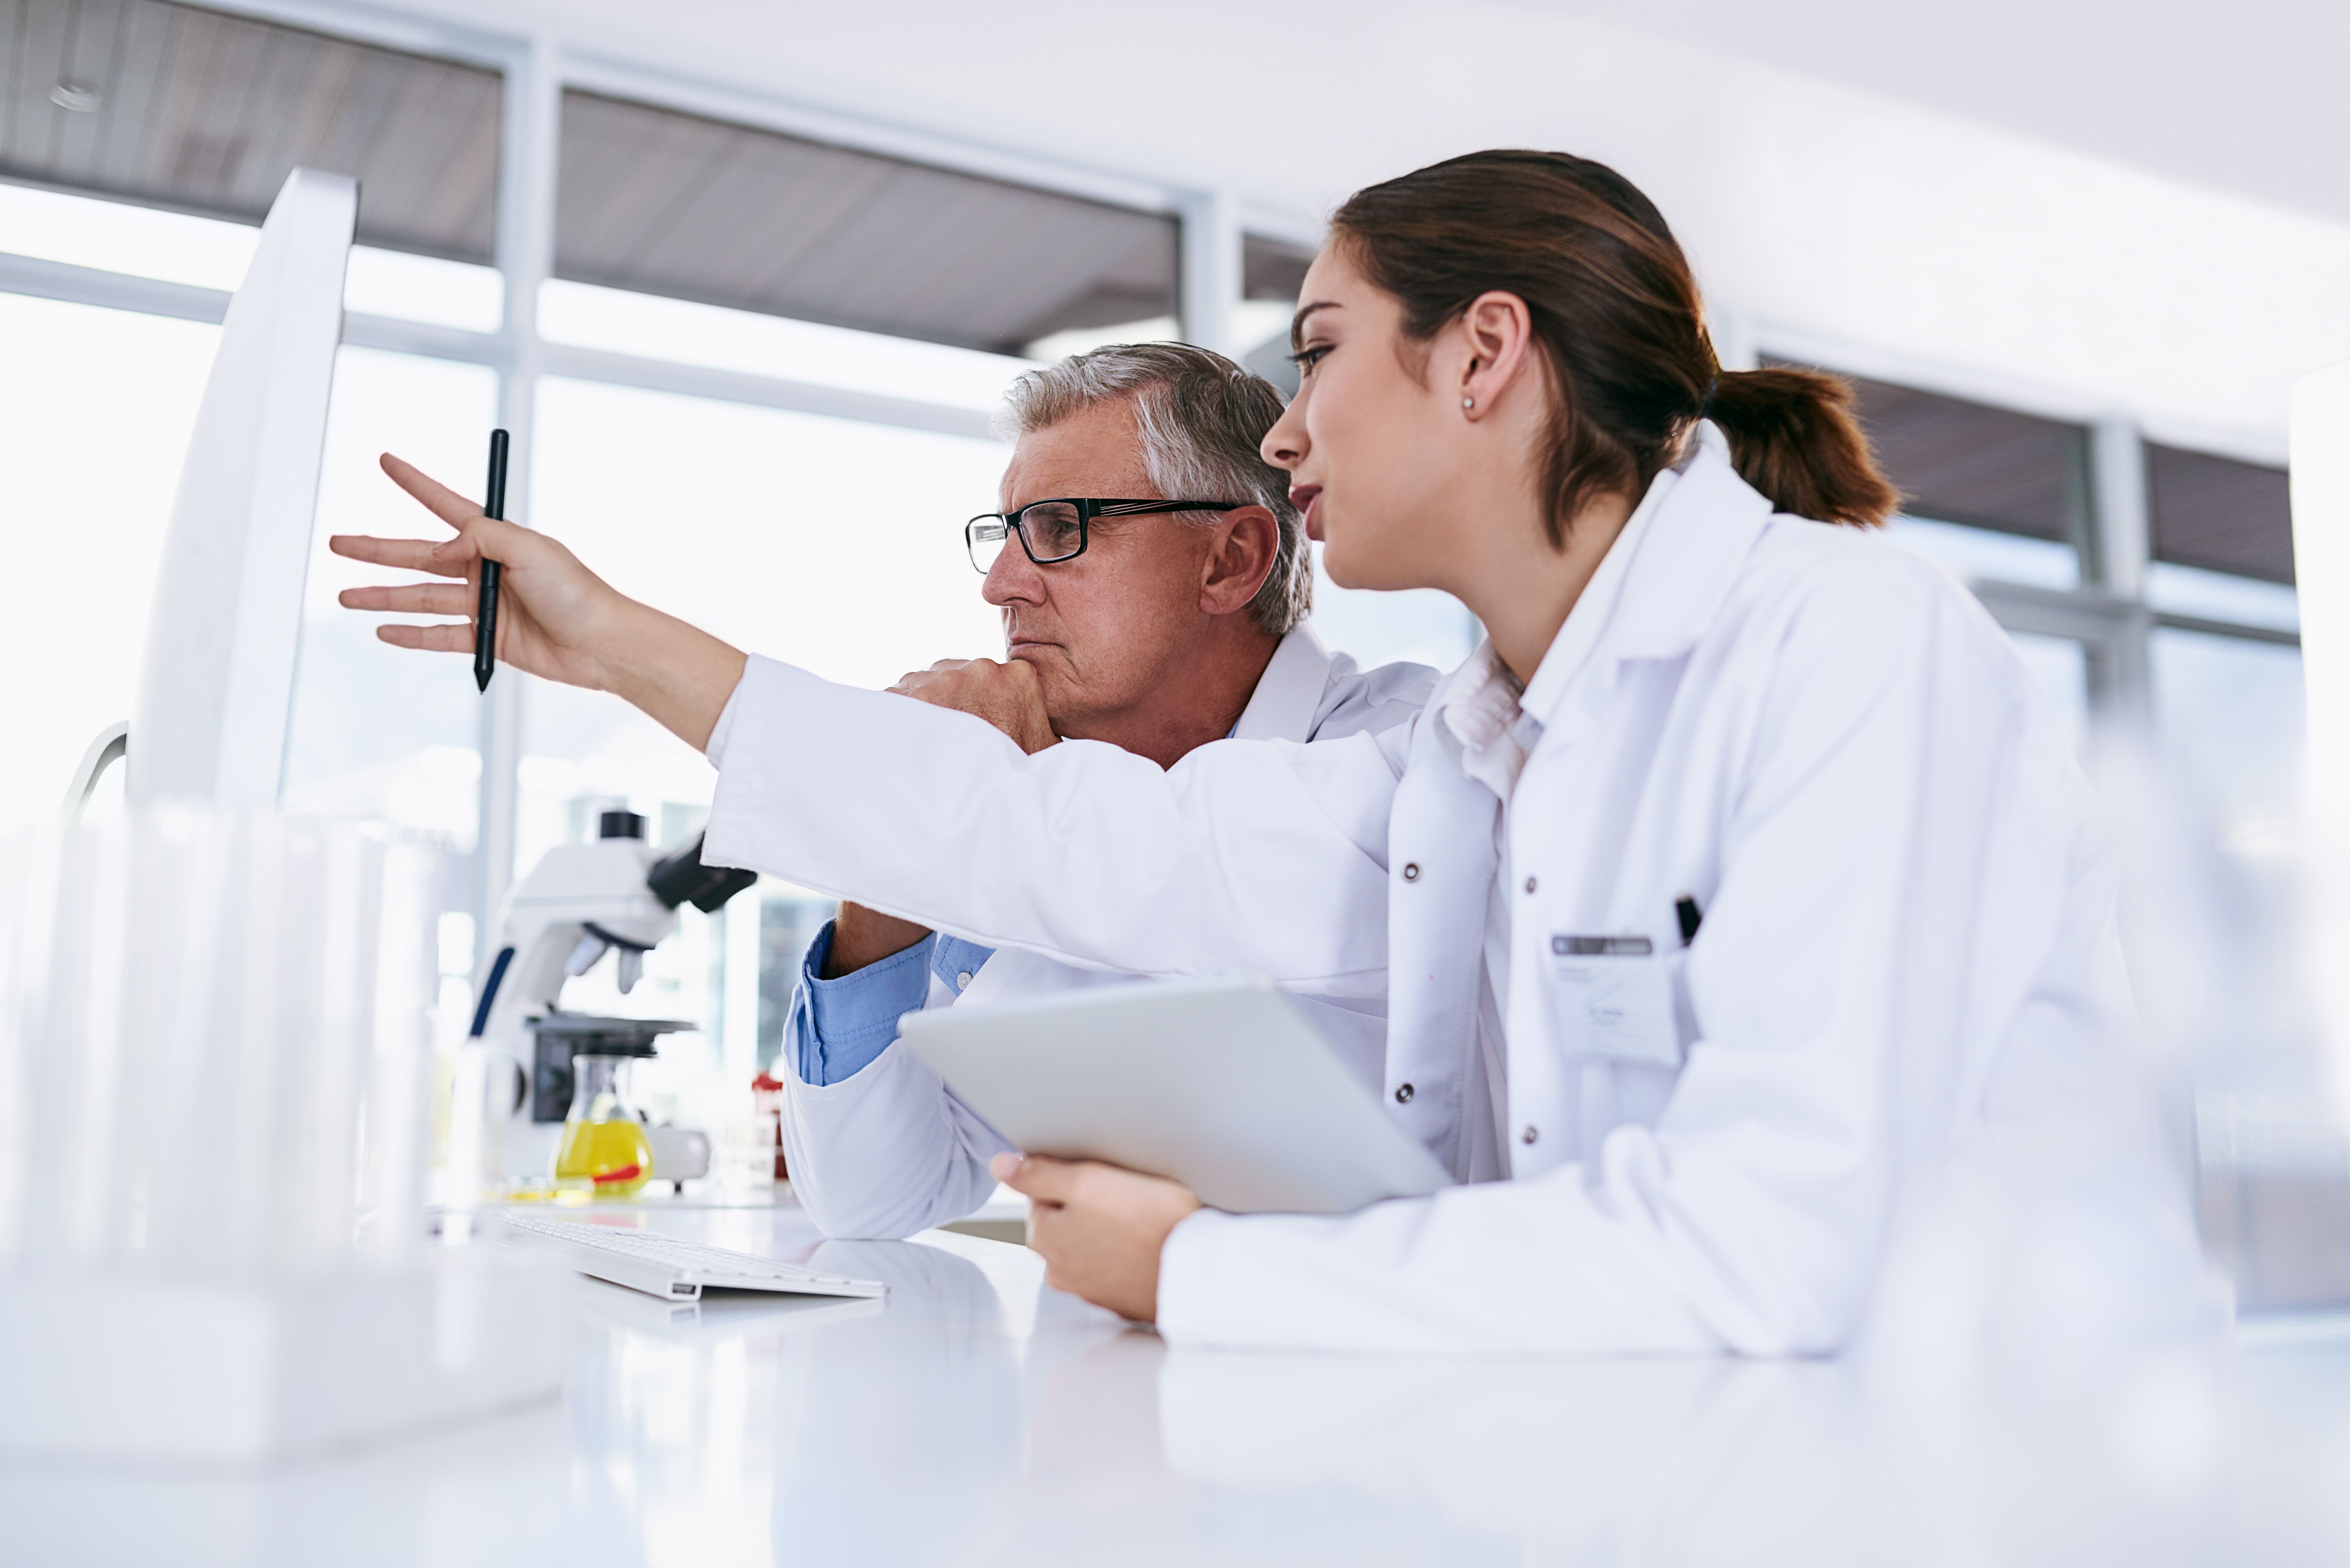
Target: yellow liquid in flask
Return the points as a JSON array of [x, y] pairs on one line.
[[613, 1155]]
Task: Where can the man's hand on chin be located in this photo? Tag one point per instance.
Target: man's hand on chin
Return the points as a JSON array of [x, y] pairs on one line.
[[1006, 694], [1099, 1227]]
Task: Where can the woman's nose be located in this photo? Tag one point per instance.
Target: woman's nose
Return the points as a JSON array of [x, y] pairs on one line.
[[1284, 445]]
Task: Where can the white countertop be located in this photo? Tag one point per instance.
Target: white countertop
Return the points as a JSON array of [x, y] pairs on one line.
[[977, 1417]]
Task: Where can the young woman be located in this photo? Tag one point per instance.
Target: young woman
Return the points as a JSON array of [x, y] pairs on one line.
[[1731, 896]]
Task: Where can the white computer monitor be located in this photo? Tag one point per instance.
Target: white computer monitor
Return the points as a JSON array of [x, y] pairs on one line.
[[216, 682]]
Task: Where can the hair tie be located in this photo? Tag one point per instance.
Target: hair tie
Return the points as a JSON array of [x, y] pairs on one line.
[[1706, 407]]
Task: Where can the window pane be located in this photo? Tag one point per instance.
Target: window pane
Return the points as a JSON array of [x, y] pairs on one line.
[[379, 730], [2215, 596], [2219, 514], [834, 545], [1424, 626], [653, 327], [670, 203], [1271, 273], [424, 288], [1980, 554], [203, 112], [2230, 716], [2228, 723], [114, 236], [2060, 668], [213, 252], [95, 414]]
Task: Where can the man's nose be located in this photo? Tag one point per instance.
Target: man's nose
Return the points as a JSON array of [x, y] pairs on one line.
[[1014, 579], [1284, 445]]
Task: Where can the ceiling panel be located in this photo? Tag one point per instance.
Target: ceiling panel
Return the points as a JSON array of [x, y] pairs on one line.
[[177, 107], [670, 203], [2220, 515]]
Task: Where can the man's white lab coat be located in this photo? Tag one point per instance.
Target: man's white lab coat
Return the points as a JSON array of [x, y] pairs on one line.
[[1906, 967], [890, 1151]]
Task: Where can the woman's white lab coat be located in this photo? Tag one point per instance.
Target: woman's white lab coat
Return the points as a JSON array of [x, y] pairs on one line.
[[1906, 964], [890, 1151]]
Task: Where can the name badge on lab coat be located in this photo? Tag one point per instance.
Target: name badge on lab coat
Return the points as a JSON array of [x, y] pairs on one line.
[[1614, 999]]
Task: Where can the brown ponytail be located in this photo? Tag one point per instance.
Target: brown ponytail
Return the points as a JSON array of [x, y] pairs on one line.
[[1793, 436], [1616, 311]]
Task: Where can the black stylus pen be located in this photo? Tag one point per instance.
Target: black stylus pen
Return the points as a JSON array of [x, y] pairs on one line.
[[485, 611]]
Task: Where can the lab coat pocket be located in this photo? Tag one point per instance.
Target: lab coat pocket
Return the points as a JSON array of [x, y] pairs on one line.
[[1612, 1000]]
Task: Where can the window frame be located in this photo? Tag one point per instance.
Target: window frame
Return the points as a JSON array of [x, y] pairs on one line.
[[2108, 613]]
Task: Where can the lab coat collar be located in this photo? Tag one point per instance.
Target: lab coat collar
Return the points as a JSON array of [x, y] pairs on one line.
[[1289, 693], [1666, 575]]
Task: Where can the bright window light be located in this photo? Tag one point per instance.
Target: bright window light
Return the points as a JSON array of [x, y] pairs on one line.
[[211, 253], [424, 288], [1985, 554], [1256, 320], [94, 421], [2229, 713], [1080, 340], [115, 236], [722, 339], [2060, 668], [2217, 596], [1418, 626]]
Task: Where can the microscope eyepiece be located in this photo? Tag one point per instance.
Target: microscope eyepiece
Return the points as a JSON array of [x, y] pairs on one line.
[[683, 879]]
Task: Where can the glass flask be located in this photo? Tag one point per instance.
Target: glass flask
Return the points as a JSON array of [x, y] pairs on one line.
[[603, 1139]]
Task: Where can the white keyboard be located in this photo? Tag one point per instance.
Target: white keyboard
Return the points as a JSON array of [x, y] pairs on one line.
[[681, 1270]]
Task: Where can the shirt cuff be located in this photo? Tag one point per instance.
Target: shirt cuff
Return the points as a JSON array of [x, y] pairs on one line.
[[955, 962], [715, 749], [852, 1018]]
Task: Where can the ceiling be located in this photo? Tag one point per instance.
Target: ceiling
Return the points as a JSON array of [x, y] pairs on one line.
[[2251, 98], [672, 203], [192, 110]]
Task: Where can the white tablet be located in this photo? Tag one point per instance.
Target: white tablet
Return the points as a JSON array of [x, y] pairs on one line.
[[1222, 1085]]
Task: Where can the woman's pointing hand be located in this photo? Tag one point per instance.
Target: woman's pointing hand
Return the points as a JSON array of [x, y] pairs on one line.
[[555, 618]]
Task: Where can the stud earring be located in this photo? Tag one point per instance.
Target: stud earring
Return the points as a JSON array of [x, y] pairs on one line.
[[1468, 402]]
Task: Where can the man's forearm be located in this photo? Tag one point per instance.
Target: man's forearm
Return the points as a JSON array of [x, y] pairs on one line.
[[861, 936]]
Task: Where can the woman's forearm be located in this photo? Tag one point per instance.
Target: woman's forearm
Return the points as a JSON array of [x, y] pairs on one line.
[[678, 674]]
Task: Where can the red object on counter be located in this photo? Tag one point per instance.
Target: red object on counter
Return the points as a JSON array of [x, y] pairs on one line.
[[768, 1098]]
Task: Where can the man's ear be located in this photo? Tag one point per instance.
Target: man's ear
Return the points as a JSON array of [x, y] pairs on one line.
[[1239, 559]]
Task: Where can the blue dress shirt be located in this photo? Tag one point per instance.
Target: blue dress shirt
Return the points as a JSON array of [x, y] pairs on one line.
[[839, 1025]]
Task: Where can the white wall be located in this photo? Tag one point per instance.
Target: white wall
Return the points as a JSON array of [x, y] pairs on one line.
[[1823, 216]]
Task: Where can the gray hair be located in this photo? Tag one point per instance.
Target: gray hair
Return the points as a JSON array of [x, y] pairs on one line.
[[1202, 418]]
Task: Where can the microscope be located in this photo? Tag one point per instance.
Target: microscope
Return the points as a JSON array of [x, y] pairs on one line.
[[616, 895]]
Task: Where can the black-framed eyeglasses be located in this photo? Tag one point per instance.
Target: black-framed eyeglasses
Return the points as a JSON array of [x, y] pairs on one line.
[[1056, 529]]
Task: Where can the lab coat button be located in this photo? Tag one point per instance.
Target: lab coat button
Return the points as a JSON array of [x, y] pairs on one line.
[[1528, 1135], [1530, 884], [963, 979], [1403, 1093], [1412, 871]]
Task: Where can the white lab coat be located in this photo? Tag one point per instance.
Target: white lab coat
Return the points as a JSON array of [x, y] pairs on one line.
[[889, 1150], [1906, 963]]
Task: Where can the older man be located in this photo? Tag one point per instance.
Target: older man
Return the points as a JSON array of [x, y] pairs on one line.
[[1155, 578]]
